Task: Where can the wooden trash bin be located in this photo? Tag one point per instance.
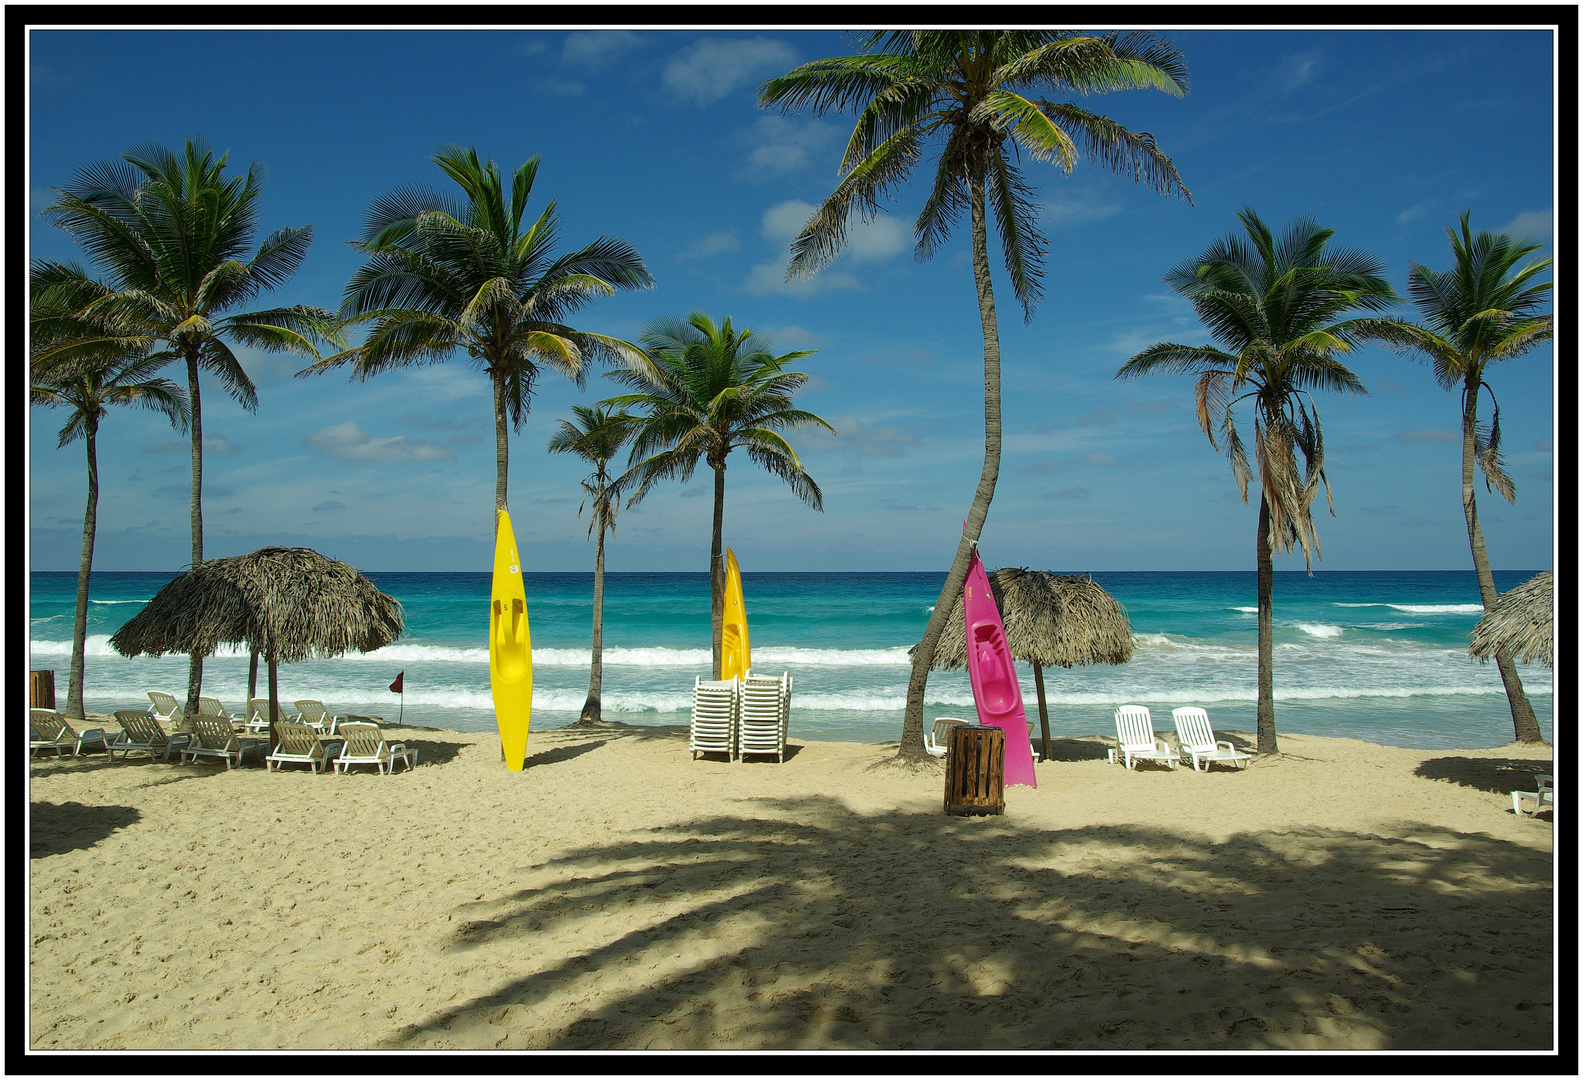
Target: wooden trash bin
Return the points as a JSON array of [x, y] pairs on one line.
[[41, 689], [975, 770]]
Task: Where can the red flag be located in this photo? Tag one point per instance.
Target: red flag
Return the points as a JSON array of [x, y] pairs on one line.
[[395, 687]]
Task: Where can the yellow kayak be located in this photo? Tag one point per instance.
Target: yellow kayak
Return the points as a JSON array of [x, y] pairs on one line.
[[510, 651], [735, 657]]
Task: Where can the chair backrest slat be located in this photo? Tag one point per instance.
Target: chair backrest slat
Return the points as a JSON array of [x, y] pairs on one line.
[[1192, 728], [1134, 727], [165, 705], [47, 723]]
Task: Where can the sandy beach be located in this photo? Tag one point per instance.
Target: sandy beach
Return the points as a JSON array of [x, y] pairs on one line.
[[616, 894]]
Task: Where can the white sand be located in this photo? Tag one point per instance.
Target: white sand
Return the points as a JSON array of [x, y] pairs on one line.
[[617, 894]]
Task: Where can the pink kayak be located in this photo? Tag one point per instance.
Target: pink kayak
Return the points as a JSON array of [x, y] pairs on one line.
[[989, 666]]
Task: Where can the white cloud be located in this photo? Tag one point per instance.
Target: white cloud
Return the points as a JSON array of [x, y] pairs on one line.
[[782, 145], [1538, 225], [875, 241], [1300, 70], [857, 438], [598, 48], [784, 221], [1104, 461], [769, 279], [710, 68], [212, 444], [713, 244], [350, 442], [1078, 207]]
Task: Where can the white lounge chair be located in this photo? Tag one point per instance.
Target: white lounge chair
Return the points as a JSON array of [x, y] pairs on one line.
[[713, 729], [1135, 739], [166, 707], [1545, 792], [142, 732], [761, 715], [51, 730], [213, 737], [1196, 739], [300, 745], [366, 745], [937, 739]]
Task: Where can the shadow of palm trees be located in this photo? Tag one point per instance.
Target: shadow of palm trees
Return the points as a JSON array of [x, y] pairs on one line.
[[799, 923], [1496, 775], [56, 829]]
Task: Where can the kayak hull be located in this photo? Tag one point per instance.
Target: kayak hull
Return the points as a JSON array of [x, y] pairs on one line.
[[736, 656], [510, 648], [996, 693]]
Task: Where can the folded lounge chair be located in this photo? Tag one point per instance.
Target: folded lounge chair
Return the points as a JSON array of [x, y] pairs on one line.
[[713, 729], [299, 744], [1544, 792], [50, 729], [762, 711], [1135, 739], [213, 737], [140, 731], [1196, 739], [366, 745], [938, 737]]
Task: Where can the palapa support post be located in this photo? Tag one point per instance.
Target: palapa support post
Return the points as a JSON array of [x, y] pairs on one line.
[[1044, 714], [41, 689], [975, 770]]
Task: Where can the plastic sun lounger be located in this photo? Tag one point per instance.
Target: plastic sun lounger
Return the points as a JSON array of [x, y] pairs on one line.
[[300, 745], [51, 729], [761, 715], [1196, 739], [166, 707], [1544, 792], [939, 736], [142, 732], [366, 745], [214, 737], [1135, 740]]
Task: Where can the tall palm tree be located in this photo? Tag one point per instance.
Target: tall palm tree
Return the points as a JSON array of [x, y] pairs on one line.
[[707, 391], [71, 368], [596, 435], [1483, 310], [1271, 303], [170, 233], [971, 94], [475, 275]]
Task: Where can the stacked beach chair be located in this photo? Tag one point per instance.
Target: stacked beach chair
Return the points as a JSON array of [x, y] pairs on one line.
[[741, 716]]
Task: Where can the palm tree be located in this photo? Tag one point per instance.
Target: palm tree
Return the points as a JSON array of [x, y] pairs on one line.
[[1271, 304], [710, 390], [595, 436], [971, 93], [1483, 310], [170, 231], [71, 368], [475, 275]]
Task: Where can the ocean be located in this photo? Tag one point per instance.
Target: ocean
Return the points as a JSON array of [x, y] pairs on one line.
[[1380, 656]]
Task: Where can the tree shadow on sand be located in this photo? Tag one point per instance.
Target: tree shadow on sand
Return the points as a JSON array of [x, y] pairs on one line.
[[56, 829], [798, 924], [1496, 775]]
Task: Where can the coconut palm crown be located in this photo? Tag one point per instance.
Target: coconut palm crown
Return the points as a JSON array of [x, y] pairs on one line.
[[978, 100], [475, 274], [1274, 304], [708, 391]]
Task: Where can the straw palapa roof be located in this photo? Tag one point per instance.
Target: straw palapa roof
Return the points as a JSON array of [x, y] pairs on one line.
[[288, 603], [1521, 622], [1053, 620]]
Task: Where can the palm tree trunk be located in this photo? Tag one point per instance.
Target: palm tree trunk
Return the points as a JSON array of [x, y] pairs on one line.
[[274, 703], [591, 712], [79, 630], [502, 452], [1266, 722], [1524, 723], [1044, 714], [717, 568], [912, 723], [195, 665]]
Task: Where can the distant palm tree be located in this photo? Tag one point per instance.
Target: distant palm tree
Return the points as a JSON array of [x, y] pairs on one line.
[[596, 436], [707, 391], [1272, 304], [1481, 311], [170, 232], [474, 275], [967, 94], [72, 368]]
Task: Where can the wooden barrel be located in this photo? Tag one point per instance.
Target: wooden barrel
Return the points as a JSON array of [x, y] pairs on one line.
[[975, 770], [41, 687]]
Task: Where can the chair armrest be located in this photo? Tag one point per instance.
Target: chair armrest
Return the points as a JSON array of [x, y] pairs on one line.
[[1159, 744], [1221, 744]]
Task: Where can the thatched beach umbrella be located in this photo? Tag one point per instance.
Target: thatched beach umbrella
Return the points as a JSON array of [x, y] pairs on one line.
[[288, 604], [1520, 623], [1063, 619]]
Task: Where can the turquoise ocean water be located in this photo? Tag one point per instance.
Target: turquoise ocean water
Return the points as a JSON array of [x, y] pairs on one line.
[[1372, 655]]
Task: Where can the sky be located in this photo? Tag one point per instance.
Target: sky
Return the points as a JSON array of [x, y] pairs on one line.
[[653, 135]]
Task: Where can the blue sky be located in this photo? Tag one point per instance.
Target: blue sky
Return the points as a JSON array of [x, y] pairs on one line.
[[653, 135]]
